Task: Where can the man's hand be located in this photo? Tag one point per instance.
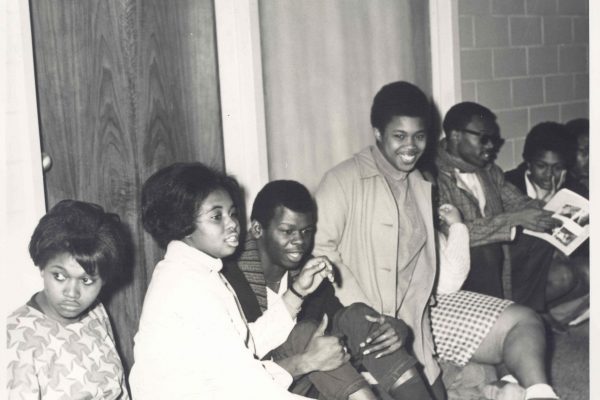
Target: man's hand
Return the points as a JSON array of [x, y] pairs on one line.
[[535, 219], [385, 337], [324, 353], [449, 214], [312, 274]]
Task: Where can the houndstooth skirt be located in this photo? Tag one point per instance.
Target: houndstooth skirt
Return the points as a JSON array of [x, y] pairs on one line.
[[460, 321]]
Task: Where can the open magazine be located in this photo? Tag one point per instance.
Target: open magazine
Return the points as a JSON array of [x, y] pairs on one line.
[[574, 212]]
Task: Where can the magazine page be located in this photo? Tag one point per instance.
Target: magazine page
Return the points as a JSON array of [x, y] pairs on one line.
[[573, 210]]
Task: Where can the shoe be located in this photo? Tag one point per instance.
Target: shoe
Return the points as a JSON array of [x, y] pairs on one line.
[[502, 390], [584, 316], [555, 325], [575, 310]]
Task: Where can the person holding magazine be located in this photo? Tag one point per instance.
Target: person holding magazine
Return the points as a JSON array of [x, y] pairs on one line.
[[548, 154], [495, 211]]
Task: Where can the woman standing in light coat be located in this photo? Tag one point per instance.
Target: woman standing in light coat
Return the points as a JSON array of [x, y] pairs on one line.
[[375, 220]]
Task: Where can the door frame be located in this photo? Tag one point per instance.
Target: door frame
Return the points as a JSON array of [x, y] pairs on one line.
[[241, 88], [24, 203]]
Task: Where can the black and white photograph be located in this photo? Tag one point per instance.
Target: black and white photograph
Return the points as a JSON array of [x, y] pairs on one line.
[[298, 199], [564, 235]]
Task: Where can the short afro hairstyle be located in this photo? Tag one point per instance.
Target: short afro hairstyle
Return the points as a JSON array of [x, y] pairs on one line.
[[97, 240], [459, 116], [578, 127], [289, 194], [548, 136], [172, 196], [399, 99]]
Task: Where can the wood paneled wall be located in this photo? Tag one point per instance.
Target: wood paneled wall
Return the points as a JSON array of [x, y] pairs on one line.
[[125, 87], [323, 62]]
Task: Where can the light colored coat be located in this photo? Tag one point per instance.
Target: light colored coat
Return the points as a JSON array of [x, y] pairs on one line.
[[358, 231]]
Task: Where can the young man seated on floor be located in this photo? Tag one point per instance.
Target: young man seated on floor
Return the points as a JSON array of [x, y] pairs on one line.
[[548, 154], [280, 240]]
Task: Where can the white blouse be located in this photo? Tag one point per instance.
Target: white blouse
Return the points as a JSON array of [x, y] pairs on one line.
[[193, 341], [455, 258]]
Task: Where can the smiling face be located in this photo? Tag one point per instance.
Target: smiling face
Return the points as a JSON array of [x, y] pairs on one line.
[[217, 228], [287, 240], [402, 142], [469, 147], [68, 290], [545, 167]]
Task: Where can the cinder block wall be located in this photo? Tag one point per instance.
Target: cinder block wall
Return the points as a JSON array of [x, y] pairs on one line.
[[526, 60]]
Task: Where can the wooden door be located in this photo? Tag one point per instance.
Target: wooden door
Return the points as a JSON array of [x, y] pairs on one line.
[[124, 87]]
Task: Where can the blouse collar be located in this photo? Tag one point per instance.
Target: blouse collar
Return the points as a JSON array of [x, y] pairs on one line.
[[184, 252]]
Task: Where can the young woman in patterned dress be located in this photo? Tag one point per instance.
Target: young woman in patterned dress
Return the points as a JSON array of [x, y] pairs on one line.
[[60, 343]]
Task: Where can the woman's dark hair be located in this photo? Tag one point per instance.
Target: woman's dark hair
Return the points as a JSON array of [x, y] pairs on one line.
[[97, 240], [172, 197], [289, 194], [459, 115], [399, 99], [548, 136], [578, 127]]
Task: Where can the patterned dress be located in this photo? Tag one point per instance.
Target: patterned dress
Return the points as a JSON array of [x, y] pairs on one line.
[[461, 320], [48, 360]]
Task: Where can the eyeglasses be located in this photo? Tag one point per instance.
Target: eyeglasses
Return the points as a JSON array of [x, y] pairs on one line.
[[484, 138]]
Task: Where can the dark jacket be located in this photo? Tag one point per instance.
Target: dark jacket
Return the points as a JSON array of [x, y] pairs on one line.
[[321, 301], [517, 177]]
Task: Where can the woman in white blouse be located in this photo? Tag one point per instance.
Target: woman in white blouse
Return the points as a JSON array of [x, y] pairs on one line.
[[193, 340], [469, 326]]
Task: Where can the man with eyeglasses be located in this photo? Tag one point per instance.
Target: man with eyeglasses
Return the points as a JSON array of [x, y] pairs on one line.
[[494, 210]]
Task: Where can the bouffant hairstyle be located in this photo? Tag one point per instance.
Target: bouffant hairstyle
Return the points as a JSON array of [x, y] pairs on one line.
[[96, 239], [459, 116], [399, 99], [548, 136], [289, 194], [172, 197]]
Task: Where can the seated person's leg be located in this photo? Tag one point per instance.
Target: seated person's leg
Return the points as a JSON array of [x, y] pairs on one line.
[[517, 339], [506, 333], [485, 275], [339, 383], [396, 372], [561, 280], [530, 260], [575, 303], [581, 266], [438, 391]]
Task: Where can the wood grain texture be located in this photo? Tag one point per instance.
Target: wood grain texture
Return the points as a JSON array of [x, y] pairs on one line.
[[178, 109], [323, 62], [124, 88]]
